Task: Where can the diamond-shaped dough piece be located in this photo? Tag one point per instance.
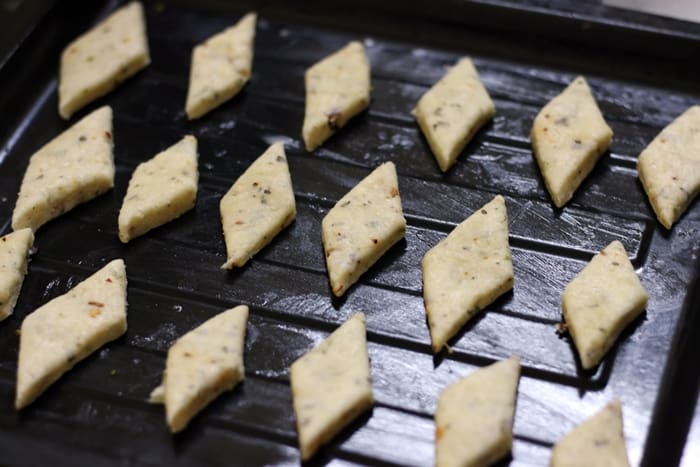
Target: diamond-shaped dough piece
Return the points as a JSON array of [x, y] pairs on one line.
[[160, 190], [568, 137], [331, 385], [362, 226], [337, 89], [467, 271], [70, 327], [14, 253], [96, 62], [669, 167], [74, 167], [452, 111], [221, 66], [474, 416], [201, 365], [257, 207], [597, 442], [601, 301]]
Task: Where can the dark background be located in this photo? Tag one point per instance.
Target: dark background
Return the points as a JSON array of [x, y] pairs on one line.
[[643, 71]]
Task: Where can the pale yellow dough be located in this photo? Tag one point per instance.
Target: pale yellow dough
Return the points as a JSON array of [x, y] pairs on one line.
[[597, 442], [160, 190], [96, 62], [337, 89], [257, 207], [362, 226], [74, 167], [201, 365], [669, 167], [14, 253], [474, 417], [467, 271], [568, 137], [601, 301], [221, 66], [331, 385], [452, 111], [69, 328]]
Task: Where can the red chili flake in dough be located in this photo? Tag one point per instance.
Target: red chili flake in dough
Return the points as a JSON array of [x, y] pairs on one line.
[[92, 303], [439, 432], [108, 280]]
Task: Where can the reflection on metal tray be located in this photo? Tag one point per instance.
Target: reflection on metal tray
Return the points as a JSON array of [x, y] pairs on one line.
[[98, 415]]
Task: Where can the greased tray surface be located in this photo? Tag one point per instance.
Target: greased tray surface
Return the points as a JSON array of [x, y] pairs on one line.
[[97, 413]]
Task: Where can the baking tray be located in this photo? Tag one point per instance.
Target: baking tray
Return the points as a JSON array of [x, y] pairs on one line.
[[97, 414]]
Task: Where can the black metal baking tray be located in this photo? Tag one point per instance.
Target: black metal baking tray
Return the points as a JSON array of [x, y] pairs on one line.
[[98, 415]]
